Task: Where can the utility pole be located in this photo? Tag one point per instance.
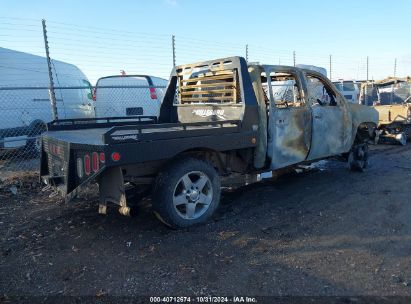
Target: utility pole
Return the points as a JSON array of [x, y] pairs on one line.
[[173, 47], [51, 86], [294, 57], [395, 67], [366, 87], [392, 86], [331, 78], [367, 68], [246, 52]]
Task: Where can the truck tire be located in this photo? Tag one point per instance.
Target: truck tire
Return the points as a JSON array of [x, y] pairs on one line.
[[358, 158], [33, 145], [186, 193], [407, 131]]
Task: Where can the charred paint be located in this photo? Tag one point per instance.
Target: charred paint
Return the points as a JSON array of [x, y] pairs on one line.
[[398, 111]]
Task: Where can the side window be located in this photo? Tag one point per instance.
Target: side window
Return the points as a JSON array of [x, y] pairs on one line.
[[285, 89], [88, 88], [319, 93], [339, 86]]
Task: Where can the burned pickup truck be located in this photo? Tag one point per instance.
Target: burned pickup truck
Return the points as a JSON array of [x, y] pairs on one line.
[[222, 122], [391, 97]]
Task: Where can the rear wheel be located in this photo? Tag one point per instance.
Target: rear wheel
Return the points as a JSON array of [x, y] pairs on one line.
[[407, 131], [33, 145], [401, 138], [358, 158], [186, 193]]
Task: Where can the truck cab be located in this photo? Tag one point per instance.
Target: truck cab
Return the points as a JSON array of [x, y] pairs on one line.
[[307, 119]]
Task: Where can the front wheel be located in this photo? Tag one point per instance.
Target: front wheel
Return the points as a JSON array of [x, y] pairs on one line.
[[358, 158], [186, 193], [33, 146]]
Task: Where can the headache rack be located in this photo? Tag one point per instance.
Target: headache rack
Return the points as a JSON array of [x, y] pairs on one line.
[[218, 85]]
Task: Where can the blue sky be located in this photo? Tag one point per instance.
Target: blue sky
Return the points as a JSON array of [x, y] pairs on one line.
[[103, 37]]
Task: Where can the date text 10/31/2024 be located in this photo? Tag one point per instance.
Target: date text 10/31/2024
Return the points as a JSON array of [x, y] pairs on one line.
[[205, 299]]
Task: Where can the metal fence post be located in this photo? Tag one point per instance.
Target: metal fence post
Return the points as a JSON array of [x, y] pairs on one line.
[[51, 88], [392, 86], [366, 87], [173, 47], [294, 57], [367, 68], [395, 67], [331, 78]]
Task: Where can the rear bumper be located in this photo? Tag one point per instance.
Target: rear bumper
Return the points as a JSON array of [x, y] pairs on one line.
[[59, 169], [13, 138]]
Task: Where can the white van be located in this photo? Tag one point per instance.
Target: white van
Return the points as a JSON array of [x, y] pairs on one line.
[[129, 95], [350, 89], [25, 106], [313, 68]]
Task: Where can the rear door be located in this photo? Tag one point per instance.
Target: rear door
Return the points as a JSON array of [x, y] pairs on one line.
[[130, 95], [331, 121], [289, 117], [350, 92], [349, 89]]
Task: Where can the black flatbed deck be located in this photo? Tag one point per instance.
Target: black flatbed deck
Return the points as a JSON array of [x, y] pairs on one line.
[[87, 136], [133, 133]]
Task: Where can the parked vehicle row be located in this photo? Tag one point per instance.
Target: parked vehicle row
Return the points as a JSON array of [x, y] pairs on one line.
[[391, 97], [25, 107]]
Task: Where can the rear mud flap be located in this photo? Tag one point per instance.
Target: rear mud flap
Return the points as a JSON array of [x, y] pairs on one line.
[[111, 188]]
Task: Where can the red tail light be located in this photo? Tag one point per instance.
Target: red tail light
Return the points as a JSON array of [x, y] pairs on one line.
[[94, 96], [102, 157], [87, 164], [153, 94], [115, 156], [54, 149], [96, 162]]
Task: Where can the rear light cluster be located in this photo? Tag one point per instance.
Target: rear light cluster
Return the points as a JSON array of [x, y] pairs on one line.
[[94, 94], [90, 163], [153, 94]]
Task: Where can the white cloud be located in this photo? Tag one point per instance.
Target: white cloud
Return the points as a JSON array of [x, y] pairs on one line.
[[171, 2]]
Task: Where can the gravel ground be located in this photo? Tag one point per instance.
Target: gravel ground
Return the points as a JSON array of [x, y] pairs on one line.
[[323, 232]]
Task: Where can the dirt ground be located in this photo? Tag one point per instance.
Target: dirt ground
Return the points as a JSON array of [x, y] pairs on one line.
[[324, 232]]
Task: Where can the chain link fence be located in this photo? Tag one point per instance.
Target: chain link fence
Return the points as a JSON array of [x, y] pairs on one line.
[[25, 112]]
